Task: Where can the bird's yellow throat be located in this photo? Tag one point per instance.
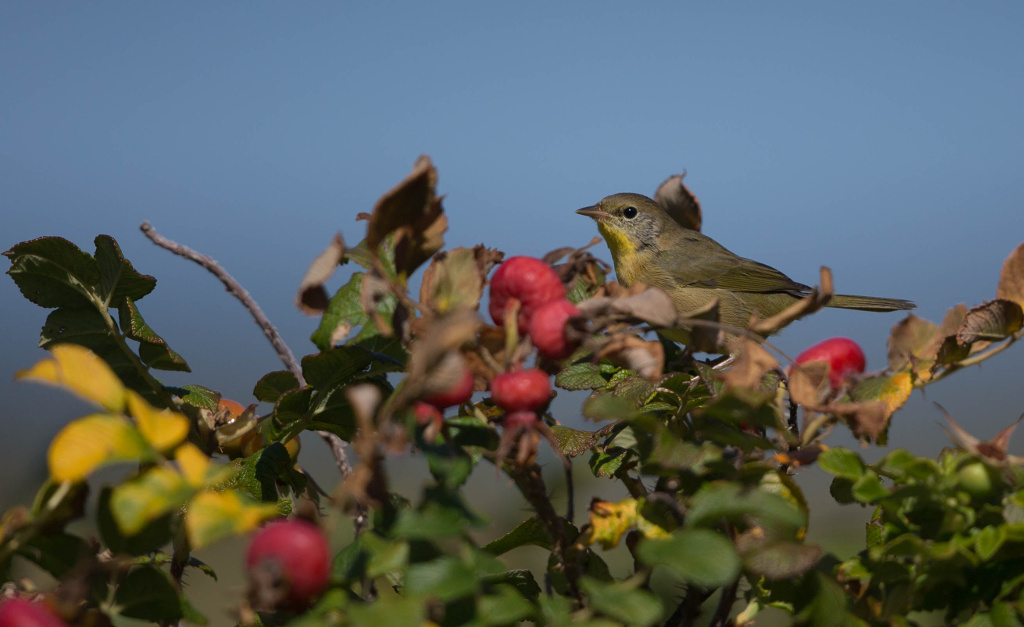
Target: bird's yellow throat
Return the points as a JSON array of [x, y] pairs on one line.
[[622, 248]]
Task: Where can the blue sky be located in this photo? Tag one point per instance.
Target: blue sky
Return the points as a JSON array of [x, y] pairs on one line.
[[884, 140]]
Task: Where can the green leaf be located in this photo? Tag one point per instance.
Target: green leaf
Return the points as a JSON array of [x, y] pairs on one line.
[[504, 607], [335, 366], [450, 465], [261, 471], [988, 540], [53, 272], [623, 601], [869, 489], [573, 442], [607, 406], [273, 385], [529, 532], [607, 462], [153, 349], [521, 579], [198, 396], [698, 556], [118, 279], [146, 593], [214, 515], [350, 563], [445, 578], [720, 500], [842, 463], [292, 407], [345, 312], [388, 611], [582, 375], [56, 553], [781, 560], [385, 556], [138, 502], [151, 537]]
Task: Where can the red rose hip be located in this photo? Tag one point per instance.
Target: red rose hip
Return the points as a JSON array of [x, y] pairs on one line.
[[521, 390], [458, 394], [547, 329], [843, 356], [291, 560], [527, 279], [17, 612]]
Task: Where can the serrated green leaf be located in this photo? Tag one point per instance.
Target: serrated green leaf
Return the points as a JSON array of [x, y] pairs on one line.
[[573, 442], [607, 406], [345, 313], [445, 578], [153, 349], [261, 471], [338, 365], [529, 532], [720, 500], [118, 278], [582, 375], [504, 607], [607, 462], [699, 556], [842, 463], [198, 396], [147, 593], [53, 272], [272, 385], [623, 601], [869, 488]]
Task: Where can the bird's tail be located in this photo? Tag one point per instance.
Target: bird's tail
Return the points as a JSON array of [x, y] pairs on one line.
[[869, 303]]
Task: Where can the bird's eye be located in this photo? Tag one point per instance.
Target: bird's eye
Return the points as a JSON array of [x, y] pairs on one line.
[[629, 213]]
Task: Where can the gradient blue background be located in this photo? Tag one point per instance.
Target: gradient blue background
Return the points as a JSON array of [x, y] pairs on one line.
[[885, 140]]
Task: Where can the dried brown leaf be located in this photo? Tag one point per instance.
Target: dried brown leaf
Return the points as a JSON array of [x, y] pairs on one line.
[[651, 305], [436, 338], [992, 321], [914, 342], [412, 210], [645, 358], [312, 298], [679, 202], [371, 293], [809, 383], [751, 363], [1011, 277], [815, 300], [867, 419], [993, 450]]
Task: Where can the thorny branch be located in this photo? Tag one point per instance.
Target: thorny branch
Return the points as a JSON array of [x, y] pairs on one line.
[[335, 443]]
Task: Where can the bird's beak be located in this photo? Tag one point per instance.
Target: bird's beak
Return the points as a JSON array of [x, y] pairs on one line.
[[595, 212]]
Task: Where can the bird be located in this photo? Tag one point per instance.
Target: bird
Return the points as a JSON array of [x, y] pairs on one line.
[[648, 246]]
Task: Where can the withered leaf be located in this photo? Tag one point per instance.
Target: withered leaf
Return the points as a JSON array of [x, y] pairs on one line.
[[371, 294], [679, 202], [438, 338], [312, 297], [652, 305], [456, 278], [751, 363], [809, 383], [1011, 277], [645, 358], [704, 338], [412, 210], [913, 342], [867, 419], [815, 300], [992, 321], [993, 450]]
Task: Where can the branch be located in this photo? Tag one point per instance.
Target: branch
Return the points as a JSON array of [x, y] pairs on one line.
[[336, 444]]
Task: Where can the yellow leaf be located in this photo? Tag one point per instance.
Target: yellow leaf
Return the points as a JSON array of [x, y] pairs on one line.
[[897, 391], [608, 521], [163, 429], [152, 494], [83, 372], [193, 463], [215, 515], [89, 442]]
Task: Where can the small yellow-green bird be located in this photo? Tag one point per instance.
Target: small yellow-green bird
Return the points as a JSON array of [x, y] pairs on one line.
[[649, 247]]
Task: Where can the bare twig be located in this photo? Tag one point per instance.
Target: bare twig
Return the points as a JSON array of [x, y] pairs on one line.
[[336, 444]]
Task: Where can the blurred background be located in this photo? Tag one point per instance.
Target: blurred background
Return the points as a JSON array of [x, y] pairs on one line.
[[884, 140]]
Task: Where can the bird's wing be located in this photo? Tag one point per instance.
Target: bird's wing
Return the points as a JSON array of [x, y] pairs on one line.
[[719, 268]]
